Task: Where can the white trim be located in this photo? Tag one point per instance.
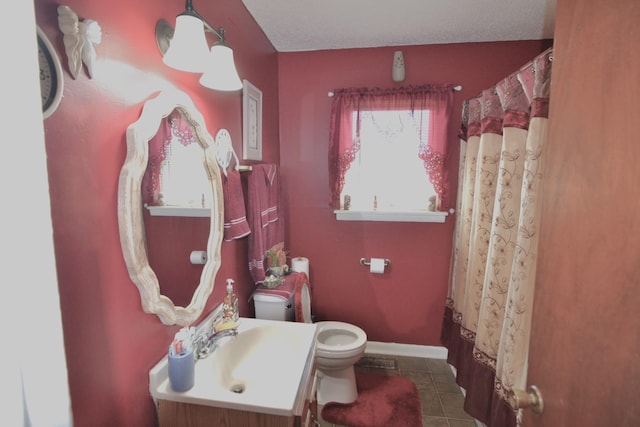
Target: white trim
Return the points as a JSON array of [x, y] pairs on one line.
[[391, 216], [178, 211], [411, 350]]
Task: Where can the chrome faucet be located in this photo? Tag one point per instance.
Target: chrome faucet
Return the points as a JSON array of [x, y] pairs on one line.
[[206, 343]]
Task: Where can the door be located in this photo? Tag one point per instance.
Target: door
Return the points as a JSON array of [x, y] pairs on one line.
[[585, 343]]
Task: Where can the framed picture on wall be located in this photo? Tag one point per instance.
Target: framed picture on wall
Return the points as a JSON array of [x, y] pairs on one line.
[[251, 122]]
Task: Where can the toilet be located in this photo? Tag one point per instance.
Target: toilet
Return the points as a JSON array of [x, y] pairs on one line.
[[339, 345], [274, 307]]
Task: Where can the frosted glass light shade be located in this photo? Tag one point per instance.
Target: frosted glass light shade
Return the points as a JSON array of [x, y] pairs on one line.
[[188, 49], [221, 73]]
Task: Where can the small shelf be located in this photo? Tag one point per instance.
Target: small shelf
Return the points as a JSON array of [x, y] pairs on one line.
[[178, 211], [391, 216]]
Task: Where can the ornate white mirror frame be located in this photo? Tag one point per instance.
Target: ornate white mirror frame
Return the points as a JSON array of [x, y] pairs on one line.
[[130, 209]]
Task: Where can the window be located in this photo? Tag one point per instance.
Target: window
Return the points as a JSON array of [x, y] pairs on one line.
[[387, 149], [387, 173], [182, 182], [176, 174]]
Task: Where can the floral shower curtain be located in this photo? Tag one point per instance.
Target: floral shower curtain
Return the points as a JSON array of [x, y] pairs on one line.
[[488, 312]]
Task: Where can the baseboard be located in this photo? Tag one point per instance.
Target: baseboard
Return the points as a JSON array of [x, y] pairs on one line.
[[410, 350]]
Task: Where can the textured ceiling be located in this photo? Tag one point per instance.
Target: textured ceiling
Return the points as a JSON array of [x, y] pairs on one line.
[[302, 25]]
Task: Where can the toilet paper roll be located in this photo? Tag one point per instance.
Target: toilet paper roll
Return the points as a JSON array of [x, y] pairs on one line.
[[300, 264], [376, 265], [198, 257]]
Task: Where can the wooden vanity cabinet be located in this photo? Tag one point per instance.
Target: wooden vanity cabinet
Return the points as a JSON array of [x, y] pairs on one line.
[[305, 411], [308, 390]]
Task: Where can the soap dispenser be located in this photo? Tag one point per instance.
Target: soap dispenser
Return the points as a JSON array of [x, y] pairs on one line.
[[230, 304]]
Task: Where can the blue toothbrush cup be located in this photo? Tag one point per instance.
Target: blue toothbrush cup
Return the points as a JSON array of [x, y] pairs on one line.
[[182, 370]]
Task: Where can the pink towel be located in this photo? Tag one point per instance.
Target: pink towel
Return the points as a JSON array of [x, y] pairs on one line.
[[285, 290], [235, 216], [270, 213], [267, 225], [301, 279]]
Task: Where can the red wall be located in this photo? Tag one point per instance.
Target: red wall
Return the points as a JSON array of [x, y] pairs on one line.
[[404, 305], [110, 343]]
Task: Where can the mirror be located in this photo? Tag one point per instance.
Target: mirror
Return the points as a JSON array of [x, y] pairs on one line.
[[176, 179], [169, 241], [130, 209]]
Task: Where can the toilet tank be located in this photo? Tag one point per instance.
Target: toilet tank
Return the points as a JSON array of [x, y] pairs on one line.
[[271, 307]]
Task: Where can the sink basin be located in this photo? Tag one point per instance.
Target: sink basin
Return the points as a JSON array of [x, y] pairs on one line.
[[259, 370]]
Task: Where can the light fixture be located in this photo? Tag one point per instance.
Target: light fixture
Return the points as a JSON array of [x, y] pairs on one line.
[[187, 50], [221, 73]]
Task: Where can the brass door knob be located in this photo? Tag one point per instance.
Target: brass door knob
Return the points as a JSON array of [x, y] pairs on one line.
[[520, 399]]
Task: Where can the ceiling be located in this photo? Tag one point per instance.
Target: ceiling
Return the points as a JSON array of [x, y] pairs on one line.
[[304, 25]]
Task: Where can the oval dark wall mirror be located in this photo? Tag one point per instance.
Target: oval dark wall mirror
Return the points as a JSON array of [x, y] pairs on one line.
[[131, 216]]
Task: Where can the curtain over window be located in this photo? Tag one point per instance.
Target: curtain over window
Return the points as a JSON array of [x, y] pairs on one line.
[[175, 173], [347, 114]]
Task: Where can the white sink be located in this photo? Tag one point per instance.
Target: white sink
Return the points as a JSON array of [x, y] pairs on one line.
[[259, 370]]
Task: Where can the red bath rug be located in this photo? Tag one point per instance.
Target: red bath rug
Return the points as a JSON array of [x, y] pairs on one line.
[[383, 401]]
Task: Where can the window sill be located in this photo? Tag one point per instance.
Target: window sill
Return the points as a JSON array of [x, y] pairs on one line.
[[391, 216], [178, 211]]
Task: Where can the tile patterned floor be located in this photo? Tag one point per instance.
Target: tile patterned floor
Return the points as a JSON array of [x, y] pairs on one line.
[[441, 397]]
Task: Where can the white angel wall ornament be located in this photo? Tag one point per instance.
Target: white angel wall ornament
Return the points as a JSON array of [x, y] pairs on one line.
[[79, 40]]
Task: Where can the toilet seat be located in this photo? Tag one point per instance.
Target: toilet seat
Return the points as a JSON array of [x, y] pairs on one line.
[[339, 339], [334, 339]]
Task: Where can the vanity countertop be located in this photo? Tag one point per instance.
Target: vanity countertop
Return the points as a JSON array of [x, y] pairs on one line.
[[270, 360]]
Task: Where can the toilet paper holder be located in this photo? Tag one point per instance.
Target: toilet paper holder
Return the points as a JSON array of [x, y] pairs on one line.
[[364, 262]]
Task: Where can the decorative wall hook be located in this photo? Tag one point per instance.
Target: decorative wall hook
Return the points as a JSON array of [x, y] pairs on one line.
[[79, 40]]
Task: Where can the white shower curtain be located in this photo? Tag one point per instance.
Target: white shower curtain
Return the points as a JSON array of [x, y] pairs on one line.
[[488, 312], [33, 369]]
